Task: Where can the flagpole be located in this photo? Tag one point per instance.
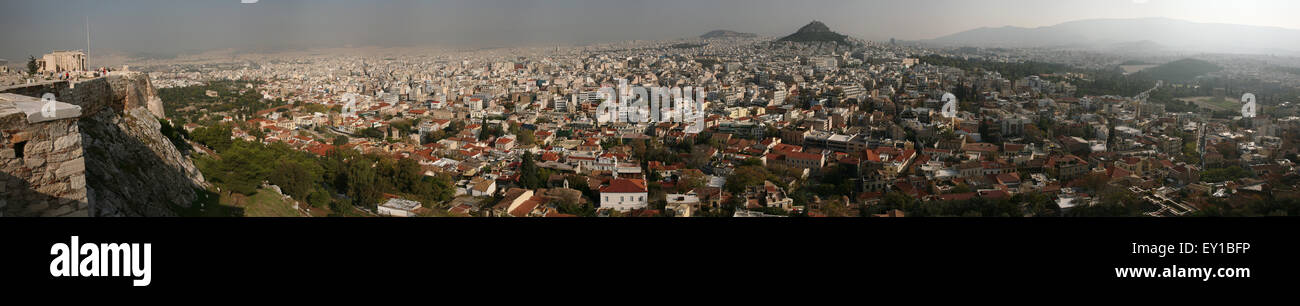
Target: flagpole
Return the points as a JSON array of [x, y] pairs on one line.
[[86, 63]]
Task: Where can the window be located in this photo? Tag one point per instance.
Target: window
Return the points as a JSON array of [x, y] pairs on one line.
[[18, 149]]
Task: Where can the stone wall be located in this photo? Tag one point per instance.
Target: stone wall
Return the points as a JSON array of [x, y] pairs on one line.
[[42, 170], [130, 168], [36, 89]]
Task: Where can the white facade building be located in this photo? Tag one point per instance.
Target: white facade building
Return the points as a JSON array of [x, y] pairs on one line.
[[398, 208], [624, 195]]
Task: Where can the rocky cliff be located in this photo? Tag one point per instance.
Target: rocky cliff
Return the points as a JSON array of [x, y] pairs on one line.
[[131, 168]]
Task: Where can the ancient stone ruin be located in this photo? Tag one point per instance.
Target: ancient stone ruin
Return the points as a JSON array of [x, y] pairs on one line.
[[44, 173], [97, 152]]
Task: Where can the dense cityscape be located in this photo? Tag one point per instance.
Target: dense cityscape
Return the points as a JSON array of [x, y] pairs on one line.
[[401, 148], [814, 124]]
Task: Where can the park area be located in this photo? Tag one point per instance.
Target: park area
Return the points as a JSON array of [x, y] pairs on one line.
[[1214, 103]]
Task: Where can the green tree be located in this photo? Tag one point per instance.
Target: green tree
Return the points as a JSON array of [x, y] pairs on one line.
[[298, 178], [529, 175], [32, 67], [371, 133], [443, 188], [1037, 204], [363, 185], [1224, 174], [699, 156], [319, 198], [215, 137], [527, 137], [256, 132], [690, 181], [836, 181], [745, 176], [407, 174], [242, 167], [961, 188], [835, 208]]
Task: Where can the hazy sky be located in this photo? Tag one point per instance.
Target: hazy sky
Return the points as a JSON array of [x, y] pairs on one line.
[[167, 27]]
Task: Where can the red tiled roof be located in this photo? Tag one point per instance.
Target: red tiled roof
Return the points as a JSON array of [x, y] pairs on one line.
[[550, 156], [320, 148], [958, 196], [787, 148], [1009, 178], [526, 207], [873, 156], [803, 156], [994, 194], [980, 147], [555, 214], [625, 186]]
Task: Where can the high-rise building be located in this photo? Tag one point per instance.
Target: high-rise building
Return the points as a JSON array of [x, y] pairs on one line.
[[778, 97], [561, 104], [825, 63]]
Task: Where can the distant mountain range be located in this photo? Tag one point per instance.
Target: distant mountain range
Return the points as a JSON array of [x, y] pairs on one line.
[[816, 31], [727, 34], [1143, 35]]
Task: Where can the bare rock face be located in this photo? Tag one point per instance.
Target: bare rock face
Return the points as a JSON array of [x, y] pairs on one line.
[[131, 168]]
